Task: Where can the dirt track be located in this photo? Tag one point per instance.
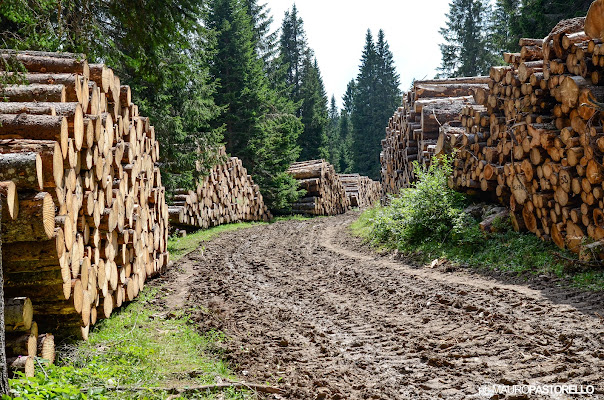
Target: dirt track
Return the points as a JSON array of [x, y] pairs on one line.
[[312, 310]]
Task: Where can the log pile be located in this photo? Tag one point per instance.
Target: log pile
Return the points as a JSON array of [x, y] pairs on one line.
[[413, 131], [23, 343], [325, 194], [88, 222], [361, 191], [228, 194], [535, 138]]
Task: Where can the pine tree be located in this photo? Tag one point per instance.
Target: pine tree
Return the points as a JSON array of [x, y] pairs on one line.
[[347, 140], [375, 96], [466, 50], [266, 41], [259, 125], [313, 141], [292, 53], [334, 140], [348, 97], [389, 82]]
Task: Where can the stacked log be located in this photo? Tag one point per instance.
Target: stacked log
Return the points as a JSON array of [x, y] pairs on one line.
[[325, 194], [23, 343], [361, 191], [227, 194], [535, 139], [92, 222], [413, 131]]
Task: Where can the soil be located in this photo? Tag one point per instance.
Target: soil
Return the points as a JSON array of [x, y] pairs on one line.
[[311, 309]]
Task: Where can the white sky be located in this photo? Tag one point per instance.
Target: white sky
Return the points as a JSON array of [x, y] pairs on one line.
[[336, 29]]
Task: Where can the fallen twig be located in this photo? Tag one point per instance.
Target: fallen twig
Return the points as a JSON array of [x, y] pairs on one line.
[[201, 388]]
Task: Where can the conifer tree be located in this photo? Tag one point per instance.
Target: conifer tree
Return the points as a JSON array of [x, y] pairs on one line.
[[259, 126], [334, 140], [266, 41], [466, 50], [375, 96], [313, 140], [292, 53]]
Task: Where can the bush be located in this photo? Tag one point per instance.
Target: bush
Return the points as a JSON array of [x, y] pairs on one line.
[[430, 210]]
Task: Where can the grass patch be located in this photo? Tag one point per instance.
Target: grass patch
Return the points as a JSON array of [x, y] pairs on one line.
[[428, 221], [506, 251], [140, 346]]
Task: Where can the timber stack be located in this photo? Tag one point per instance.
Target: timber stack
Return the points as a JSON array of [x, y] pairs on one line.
[[361, 191], [413, 131], [23, 342], [325, 194], [227, 194], [535, 137], [87, 223]]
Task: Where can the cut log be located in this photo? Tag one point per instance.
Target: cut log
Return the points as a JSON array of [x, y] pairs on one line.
[[25, 93], [50, 155], [36, 219], [18, 313], [23, 169], [39, 127], [10, 200]]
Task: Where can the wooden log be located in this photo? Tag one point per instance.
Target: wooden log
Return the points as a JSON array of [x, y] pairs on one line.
[[18, 314], [27, 93], [44, 62], [22, 363], [23, 169], [50, 153], [39, 127], [10, 200], [36, 219]]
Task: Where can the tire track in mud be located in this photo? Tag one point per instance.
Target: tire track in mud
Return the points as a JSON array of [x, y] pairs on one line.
[[311, 309]]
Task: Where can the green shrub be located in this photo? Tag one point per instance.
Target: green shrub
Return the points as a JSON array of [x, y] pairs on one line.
[[429, 210]]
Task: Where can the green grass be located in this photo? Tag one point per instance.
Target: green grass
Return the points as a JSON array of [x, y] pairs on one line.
[[140, 346], [520, 254]]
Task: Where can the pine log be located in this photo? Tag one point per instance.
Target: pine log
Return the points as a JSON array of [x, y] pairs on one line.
[[18, 313], [23, 169], [50, 155], [36, 220], [39, 127]]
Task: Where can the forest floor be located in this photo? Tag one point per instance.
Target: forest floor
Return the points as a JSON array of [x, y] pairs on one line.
[[310, 308]]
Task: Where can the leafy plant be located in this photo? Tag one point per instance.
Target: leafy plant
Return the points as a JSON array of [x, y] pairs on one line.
[[429, 210]]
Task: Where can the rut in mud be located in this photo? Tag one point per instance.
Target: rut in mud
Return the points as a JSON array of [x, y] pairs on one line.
[[311, 309]]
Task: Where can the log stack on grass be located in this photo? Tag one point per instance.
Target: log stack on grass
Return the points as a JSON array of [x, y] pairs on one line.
[[535, 138], [325, 193], [89, 221], [362, 191], [228, 194], [23, 341]]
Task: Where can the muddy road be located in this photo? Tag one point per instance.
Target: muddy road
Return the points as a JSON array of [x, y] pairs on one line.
[[311, 309]]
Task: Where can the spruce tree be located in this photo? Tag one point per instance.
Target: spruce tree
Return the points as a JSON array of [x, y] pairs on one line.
[[375, 96], [259, 125], [347, 141], [334, 140], [313, 141], [266, 41], [466, 50], [292, 53]]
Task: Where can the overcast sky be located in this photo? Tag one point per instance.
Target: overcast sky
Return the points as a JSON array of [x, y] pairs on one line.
[[336, 30]]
